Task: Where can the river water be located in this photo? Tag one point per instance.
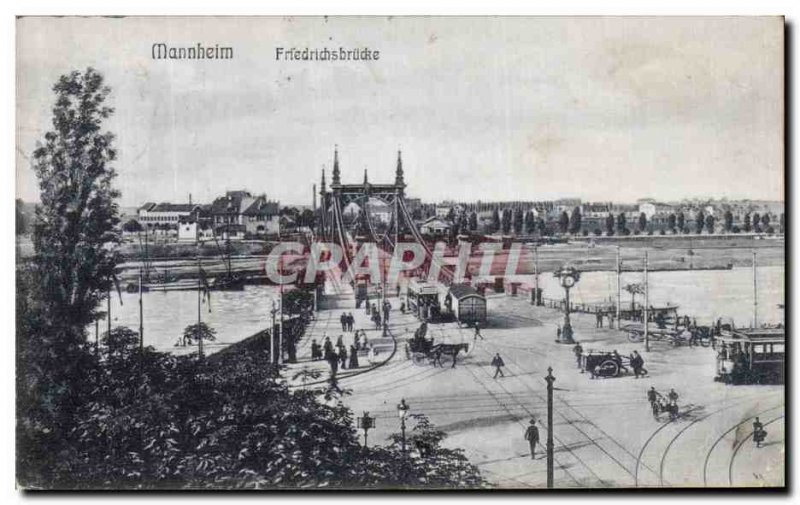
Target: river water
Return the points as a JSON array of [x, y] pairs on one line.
[[705, 295], [234, 314]]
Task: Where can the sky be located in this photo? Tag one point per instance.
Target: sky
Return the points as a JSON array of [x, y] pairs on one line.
[[483, 108]]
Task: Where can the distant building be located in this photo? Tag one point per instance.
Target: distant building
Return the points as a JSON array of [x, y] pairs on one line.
[[239, 213], [165, 214], [435, 226], [652, 208]]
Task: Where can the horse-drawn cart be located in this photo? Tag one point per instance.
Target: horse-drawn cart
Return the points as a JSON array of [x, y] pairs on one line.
[[604, 364], [682, 336], [422, 350]]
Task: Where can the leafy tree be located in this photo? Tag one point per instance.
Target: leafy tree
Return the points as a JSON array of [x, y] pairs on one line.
[[747, 225], [699, 222], [575, 221], [74, 235], [541, 227], [495, 221], [634, 289], [609, 225], [642, 221], [782, 223], [765, 221], [518, 220], [529, 222], [473, 221], [672, 222], [756, 222], [622, 225], [297, 301], [681, 222], [198, 331], [710, 223], [506, 221], [728, 219], [132, 226], [21, 221], [563, 222], [597, 231]]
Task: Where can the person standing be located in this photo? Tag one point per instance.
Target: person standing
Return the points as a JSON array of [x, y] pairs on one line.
[[353, 357], [558, 333], [578, 350], [598, 321], [611, 318], [532, 436], [327, 347], [759, 433], [343, 357], [498, 363], [343, 321], [673, 397]]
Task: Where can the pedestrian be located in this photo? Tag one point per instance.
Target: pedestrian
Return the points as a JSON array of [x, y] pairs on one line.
[[386, 308], [327, 347], [363, 339], [333, 361], [315, 350], [398, 290], [532, 436], [637, 363], [498, 363], [477, 332], [353, 357], [343, 320], [673, 397], [558, 333], [759, 433], [343, 357], [598, 320], [611, 317], [578, 350], [339, 342], [357, 339], [402, 307], [652, 395]]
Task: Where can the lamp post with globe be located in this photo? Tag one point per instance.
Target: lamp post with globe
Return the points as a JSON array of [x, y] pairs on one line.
[[568, 277], [402, 412]]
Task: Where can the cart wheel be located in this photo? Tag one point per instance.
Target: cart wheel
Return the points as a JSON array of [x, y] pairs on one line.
[[608, 368], [635, 336], [418, 358]]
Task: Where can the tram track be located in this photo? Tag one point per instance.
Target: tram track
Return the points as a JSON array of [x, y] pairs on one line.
[[741, 443], [572, 424], [683, 430], [725, 434]]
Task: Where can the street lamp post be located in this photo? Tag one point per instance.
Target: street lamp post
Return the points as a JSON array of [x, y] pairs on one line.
[[365, 423], [402, 412], [549, 379], [568, 277]]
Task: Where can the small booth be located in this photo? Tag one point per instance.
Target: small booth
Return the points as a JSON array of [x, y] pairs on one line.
[[467, 305], [423, 299]]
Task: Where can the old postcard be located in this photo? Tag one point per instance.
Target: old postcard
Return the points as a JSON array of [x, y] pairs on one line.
[[400, 253]]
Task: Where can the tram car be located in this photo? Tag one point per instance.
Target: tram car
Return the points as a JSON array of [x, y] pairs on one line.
[[751, 356], [466, 304], [423, 300]]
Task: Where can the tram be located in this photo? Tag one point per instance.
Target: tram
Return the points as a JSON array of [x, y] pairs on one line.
[[751, 356], [423, 299]]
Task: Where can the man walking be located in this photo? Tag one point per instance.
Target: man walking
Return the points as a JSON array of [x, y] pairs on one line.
[[759, 433], [532, 436], [343, 320], [498, 363], [477, 332]]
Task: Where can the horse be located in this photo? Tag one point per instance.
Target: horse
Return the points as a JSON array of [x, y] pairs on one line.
[[448, 350]]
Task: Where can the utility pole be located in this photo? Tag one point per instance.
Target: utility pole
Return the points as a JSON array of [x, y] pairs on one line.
[[108, 311], [141, 315], [755, 293], [199, 296], [535, 299], [646, 305], [550, 379], [273, 357], [96, 336], [619, 290], [280, 304]]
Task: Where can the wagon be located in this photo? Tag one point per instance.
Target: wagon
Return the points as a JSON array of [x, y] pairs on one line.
[[604, 364], [676, 337]]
